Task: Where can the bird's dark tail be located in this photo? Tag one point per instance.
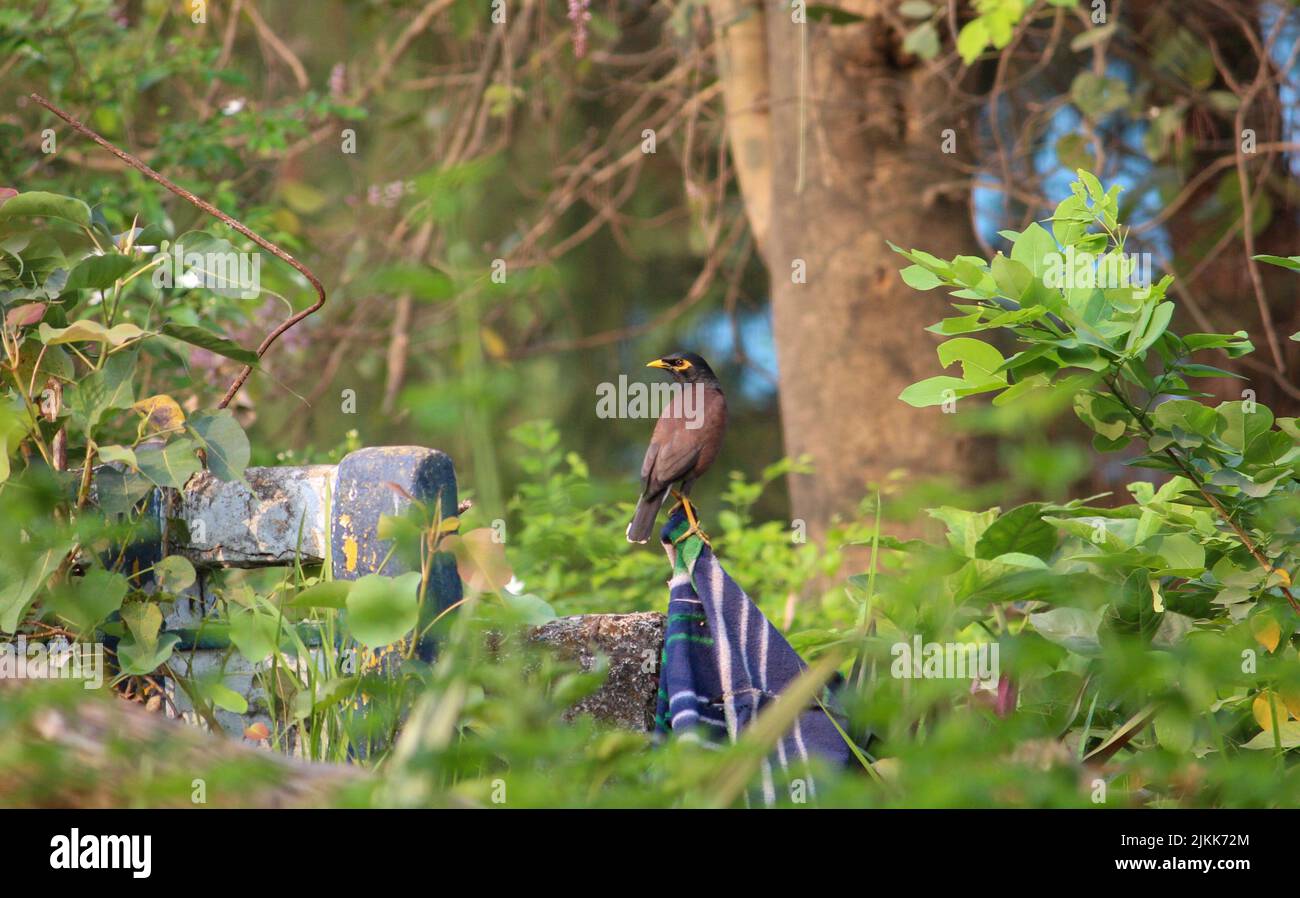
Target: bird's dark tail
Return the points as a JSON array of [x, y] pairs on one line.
[[643, 519]]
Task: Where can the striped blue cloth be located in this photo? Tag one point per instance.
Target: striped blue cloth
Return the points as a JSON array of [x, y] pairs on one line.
[[723, 662]]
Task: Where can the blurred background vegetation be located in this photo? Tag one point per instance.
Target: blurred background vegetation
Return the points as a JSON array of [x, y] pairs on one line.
[[526, 142]]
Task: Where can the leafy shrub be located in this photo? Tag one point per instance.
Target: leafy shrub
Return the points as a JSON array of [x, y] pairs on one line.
[[1174, 607]]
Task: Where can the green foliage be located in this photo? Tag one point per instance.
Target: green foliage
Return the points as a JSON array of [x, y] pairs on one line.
[[1178, 599], [1102, 609], [82, 325], [992, 26], [95, 352], [83, 329]]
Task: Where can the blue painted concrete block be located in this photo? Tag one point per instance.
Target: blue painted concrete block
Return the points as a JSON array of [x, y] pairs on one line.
[[383, 480]]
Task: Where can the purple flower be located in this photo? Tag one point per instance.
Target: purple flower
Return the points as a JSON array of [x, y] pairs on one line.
[[579, 15]]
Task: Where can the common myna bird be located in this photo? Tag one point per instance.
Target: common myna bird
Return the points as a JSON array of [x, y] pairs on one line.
[[685, 442]]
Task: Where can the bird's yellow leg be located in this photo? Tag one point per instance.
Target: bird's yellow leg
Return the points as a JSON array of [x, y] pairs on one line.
[[694, 521], [678, 504], [690, 513]]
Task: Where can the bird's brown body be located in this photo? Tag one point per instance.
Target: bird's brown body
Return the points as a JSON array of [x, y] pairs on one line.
[[683, 446]]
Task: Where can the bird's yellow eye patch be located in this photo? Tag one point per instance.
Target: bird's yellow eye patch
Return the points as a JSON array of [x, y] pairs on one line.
[[670, 364]]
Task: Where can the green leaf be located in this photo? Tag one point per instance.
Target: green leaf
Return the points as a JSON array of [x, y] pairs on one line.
[[16, 594], [55, 361], [1102, 413], [1072, 152], [1187, 369], [139, 660], [46, 205], [1133, 612], [920, 278], [220, 266], [1183, 556], [89, 330], [224, 697], [171, 465], [253, 632], [225, 441], [1013, 278], [1033, 249], [144, 620], [381, 610], [87, 601], [1114, 534], [1069, 226], [1093, 36], [981, 362], [1235, 345], [972, 39], [932, 391], [108, 388], [529, 609], [420, 281], [1239, 427], [332, 692], [1096, 95], [326, 594], [98, 272], [1020, 559], [302, 197], [1255, 487], [1156, 325], [923, 41], [117, 492], [1289, 262], [205, 339], [122, 455], [1073, 628], [1288, 733], [1186, 414], [964, 527], [1174, 731], [12, 432], [174, 573], [1020, 531]]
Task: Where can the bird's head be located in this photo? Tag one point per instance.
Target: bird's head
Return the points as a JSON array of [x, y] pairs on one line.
[[685, 367]]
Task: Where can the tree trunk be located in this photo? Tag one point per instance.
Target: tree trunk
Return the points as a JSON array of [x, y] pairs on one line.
[[857, 136]]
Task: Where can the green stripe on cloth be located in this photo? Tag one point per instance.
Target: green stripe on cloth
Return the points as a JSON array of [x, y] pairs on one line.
[[702, 640]]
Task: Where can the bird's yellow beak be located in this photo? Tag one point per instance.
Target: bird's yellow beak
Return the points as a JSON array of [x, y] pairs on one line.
[[659, 363]]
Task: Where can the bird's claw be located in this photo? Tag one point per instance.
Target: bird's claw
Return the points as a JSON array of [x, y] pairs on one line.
[[692, 519], [694, 531]]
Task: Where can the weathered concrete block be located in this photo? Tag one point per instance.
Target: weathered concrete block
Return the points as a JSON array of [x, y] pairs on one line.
[[236, 673], [380, 480], [633, 644], [277, 515], [280, 513]]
